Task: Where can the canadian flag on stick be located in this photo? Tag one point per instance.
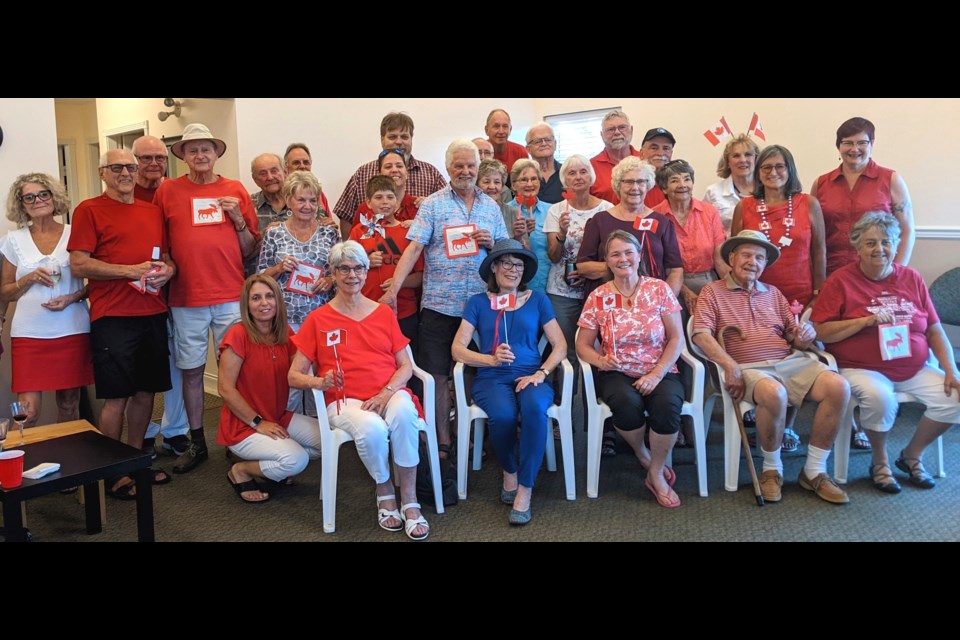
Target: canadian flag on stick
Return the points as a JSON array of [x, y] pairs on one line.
[[756, 129], [645, 224], [333, 337], [506, 301], [609, 301], [719, 132]]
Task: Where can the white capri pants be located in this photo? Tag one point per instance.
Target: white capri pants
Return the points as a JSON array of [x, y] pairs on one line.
[[282, 459], [878, 405], [372, 434]]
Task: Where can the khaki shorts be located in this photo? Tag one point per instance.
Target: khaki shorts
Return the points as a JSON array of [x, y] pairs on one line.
[[797, 373]]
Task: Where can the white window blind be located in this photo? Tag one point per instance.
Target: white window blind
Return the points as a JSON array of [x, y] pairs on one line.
[[578, 132]]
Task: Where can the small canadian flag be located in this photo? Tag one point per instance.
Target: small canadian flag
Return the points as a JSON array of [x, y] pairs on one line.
[[719, 132], [609, 301], [756, 129], [646, 224], [506, 301], [333, 337]]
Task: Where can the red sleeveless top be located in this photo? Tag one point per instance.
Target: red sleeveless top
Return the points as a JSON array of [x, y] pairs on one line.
[[793, 272]]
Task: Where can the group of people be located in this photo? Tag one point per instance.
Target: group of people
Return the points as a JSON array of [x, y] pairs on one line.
[[607, 257]]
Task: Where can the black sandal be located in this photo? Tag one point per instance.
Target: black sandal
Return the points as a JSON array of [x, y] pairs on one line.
[[608, 448], [123, 492], [250, 485], [444, 448], [884, 481], [165, 477]]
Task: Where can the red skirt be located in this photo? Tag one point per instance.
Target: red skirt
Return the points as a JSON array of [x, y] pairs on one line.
[[50, 364]]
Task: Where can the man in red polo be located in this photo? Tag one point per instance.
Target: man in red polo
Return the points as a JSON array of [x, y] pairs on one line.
[[498, 131], [617, 134], [764, 369]]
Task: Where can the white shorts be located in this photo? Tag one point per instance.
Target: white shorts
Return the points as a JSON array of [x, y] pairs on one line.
[[191, 327], [875, 393]]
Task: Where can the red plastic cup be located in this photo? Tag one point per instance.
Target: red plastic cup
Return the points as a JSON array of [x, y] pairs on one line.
[[11, 469]]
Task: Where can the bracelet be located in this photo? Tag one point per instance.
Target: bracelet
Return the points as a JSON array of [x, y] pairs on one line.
[[561, 240], [241, 229], [543, 370], [390, 389], [18, 284]]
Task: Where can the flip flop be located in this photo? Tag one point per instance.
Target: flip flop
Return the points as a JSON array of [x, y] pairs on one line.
[[663, 500], [243, 487]]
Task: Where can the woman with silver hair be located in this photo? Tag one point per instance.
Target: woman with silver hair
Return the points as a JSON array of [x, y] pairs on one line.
[[525, 177], [50, 333], [876, 317], [364, 382]]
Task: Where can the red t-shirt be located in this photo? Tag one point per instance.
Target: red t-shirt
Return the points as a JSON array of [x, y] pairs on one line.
[[511, 154], [142, 193], [208, 258], [408, 210], [367, 348], [262, 383], [392, 247], [654, 197], [848, 294], [603, 167], [793, 272], [118, 233]]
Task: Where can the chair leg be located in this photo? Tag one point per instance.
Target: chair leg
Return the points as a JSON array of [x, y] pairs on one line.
[[941, 470], [433, 450], [479, 428], [594, 438], [328, 488], [700, 445], [731, 447], [841, 446], [463, 453], [551, 451], [569, 464]]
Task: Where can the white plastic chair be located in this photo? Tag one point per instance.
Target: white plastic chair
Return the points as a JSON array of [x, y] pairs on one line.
[[469, 413], [841, 446], [331, 439], [598, 412]]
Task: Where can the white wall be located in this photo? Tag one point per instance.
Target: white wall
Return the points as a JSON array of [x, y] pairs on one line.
[[344, 133], [29, 144], [77, 126], [917, 137]]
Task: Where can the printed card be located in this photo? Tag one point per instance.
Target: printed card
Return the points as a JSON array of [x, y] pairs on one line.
[[206, 211], [459, 242], [303, 279], [894, 341]]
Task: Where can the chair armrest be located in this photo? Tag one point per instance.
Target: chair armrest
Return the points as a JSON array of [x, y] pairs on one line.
[[699, 372], [429, 390]]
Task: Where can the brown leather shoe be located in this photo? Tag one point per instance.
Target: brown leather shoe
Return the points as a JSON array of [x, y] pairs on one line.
[[770, 483], [825, 488]]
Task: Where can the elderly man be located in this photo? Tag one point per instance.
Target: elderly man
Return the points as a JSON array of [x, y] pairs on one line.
[[268, 203], [657, 149], [455, 228], [117, 241], [498, 129], [763, 368], [297, 158], [151, 154], [617, 134], [423, 179], [542, 145], [212, 228], [485, 148]]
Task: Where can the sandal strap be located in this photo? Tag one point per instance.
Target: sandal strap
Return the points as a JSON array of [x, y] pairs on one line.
[[385, 498], [410, 505], [875, 474]]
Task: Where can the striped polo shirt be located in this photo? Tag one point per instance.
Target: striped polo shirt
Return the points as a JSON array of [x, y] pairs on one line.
[[762, 312]]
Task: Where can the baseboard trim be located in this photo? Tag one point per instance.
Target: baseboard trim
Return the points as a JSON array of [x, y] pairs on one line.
[[210, 384]]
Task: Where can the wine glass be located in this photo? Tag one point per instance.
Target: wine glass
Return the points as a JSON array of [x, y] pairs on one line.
[[4, 427], [52, 267], [19, 411]]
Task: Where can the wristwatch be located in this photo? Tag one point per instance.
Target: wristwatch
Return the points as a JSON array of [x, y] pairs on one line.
[[543, 370], [257, 419]]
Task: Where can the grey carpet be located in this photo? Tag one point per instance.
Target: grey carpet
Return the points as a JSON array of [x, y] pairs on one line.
[[200, 506]]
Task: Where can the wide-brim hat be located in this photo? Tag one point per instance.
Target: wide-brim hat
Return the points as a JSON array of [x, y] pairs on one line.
[[198, 132], [509, 246], [749, 236]]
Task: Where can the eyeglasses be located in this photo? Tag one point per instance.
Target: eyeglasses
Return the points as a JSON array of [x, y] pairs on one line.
[[526, 180], [152, 159], [511, 266], [30, 198], [633, 183], [623, 128], [118, 168], [538, 141], [346, 270], [770, 168], [859, 144]]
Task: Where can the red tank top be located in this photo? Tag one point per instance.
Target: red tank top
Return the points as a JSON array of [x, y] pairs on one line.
[[793, 272]]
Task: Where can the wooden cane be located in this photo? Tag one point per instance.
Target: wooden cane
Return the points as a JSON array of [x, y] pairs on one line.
[[739, 414]]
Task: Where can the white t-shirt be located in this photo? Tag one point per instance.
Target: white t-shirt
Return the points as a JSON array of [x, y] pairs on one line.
[[723, 195], [578, 220], [30, 320]]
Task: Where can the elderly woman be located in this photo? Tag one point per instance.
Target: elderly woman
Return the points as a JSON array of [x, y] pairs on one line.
[[384, 241], [50, 334], [301, 239], [788, 218], [525, 178], [660, 253], [638, 322], [393, 164], [736, 168], [877, 318], [509, 385], [492, 180], [364, 382], [564, 227], [255, 424], [857, 186], [699, 231]]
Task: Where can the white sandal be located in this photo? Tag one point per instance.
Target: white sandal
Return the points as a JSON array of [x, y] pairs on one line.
[[385, 514], [410, 524]]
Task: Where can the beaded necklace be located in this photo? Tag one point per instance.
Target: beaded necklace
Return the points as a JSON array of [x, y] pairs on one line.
[[788, 222]]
